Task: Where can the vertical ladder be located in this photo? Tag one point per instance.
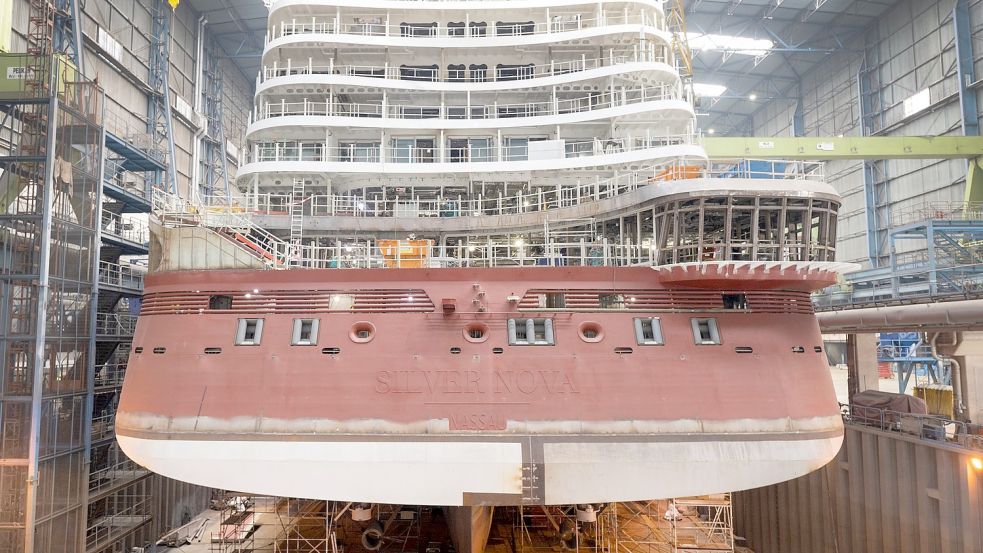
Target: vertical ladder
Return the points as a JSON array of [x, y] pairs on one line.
[[296, 221]]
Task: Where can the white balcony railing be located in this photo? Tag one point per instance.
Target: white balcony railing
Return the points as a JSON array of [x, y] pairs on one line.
[[370, 152], [332, 107], [472, 73], [367, 204], [379, 27]]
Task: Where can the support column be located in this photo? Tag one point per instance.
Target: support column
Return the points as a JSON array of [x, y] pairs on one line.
[[469, 527], [969, 354], [861, 360]]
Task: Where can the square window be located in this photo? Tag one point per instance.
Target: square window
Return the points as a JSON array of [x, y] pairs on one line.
[[220, 302], [529, 332], [305, 332], [705, 332], [648, 332], [250, 332], [735, 301]]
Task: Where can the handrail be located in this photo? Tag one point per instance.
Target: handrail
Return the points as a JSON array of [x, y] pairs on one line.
[[371, 152], [176, 211], [115, 324], [918, 282], [934, 428], [109, 374], [121, 276], [486, 74], [330, 107], [376, 26], [131, 229], [938, 211], [116, 175], [373, 204]]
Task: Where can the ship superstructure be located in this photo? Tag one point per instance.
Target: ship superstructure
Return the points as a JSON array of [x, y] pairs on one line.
[[478, 257]]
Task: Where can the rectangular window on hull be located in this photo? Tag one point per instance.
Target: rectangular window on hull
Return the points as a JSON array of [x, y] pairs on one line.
[[531, 332], [648, 332], [250, 332], [705, 332], [305, 332], [220, 302]]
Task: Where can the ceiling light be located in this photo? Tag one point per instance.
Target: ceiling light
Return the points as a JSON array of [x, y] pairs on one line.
[[729, 43], [708, 90], [752, 97], [711, 131]]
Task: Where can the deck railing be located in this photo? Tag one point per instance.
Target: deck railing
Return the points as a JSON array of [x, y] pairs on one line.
[[371, 152], [935, 428], [332, 107], [523, 201], [479, 74], [379, 27]]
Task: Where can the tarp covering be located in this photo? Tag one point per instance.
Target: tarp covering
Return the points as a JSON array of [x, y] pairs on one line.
[[873, 406]]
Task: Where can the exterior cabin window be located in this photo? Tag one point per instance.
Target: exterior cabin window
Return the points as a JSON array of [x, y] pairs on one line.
[[611, 301], [514, 29], [457, 72], [417, 29], [478, 28], [648, 332], [735, 301], [220, 302], [455, 28], [305, 332], [531, 332], [250, 332], [552, 300], [341, 302], [705, 332]]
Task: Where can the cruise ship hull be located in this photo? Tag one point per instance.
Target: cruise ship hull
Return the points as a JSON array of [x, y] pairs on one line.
[[422, 409]]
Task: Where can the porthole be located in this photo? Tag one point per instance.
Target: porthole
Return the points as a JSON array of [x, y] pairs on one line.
[[818, 349], [498, 350], [744, 349], [362, 332], [798, 349], [455, 350], [213, 351], [138, 349], [623, 351], [476, 333], [591, 332], [158, 350], [330, 351]]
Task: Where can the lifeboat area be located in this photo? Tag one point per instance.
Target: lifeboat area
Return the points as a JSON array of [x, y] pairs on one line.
[[491, 276]]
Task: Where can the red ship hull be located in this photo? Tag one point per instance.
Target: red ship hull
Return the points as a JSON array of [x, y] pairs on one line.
[[414, 382]]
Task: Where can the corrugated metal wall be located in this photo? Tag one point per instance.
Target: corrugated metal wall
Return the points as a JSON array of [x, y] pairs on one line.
[[912, 48], [884, 493]]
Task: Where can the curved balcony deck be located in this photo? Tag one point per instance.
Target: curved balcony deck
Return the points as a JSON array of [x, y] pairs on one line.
[[286, 8], [664, 102], [326, 33], [301, 78], [407, 161], [530, 211]]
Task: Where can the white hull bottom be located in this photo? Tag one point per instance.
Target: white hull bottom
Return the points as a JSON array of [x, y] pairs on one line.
[[491, 472]]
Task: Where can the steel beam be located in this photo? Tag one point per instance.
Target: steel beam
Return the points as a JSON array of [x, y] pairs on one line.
[[847, 147]]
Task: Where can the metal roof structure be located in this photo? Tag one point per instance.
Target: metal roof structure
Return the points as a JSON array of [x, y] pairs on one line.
[[238, 26], [804, 34]]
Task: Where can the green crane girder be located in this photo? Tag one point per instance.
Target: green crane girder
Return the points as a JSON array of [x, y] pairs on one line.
[[969, 148]]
